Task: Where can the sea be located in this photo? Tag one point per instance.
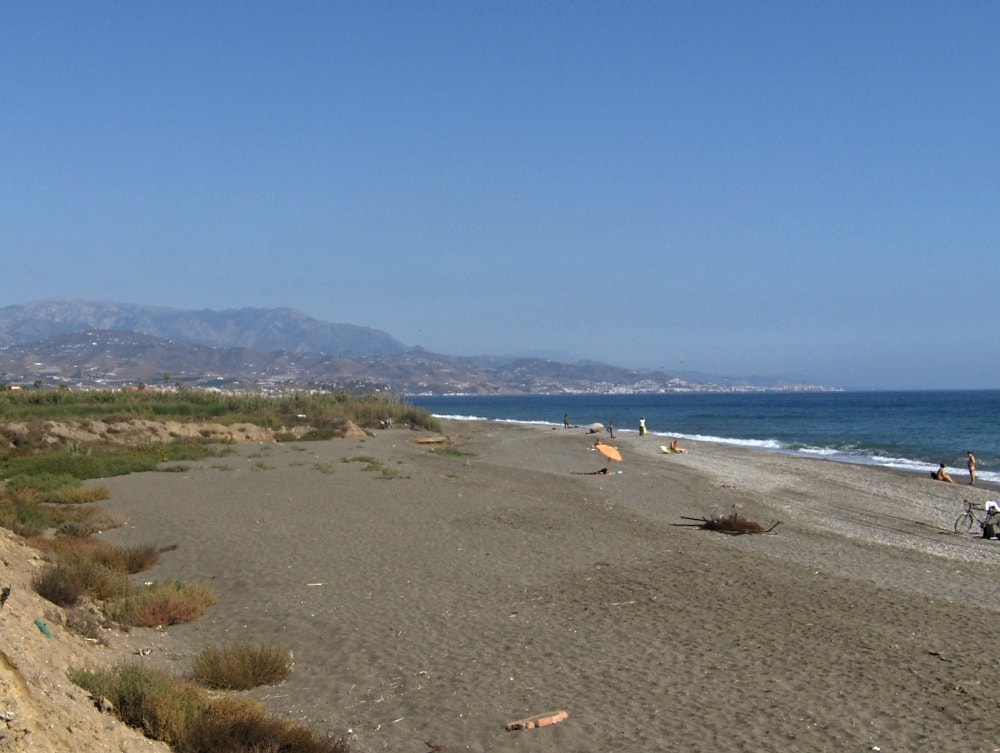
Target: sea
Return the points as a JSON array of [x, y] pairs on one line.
[[908, 431]]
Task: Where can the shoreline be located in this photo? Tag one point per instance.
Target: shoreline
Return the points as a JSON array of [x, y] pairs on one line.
[[433, 598], [739, 445]]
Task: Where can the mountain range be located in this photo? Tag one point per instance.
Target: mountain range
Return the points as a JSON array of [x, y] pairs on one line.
[[84, 343]]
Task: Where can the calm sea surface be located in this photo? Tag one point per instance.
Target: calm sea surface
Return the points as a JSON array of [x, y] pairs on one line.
[[912, 431]]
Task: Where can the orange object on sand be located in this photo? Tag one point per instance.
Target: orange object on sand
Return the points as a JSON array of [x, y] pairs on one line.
[[611, 453], [542, 720]]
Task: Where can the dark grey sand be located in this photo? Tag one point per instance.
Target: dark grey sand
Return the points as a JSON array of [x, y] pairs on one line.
[[432, 607]]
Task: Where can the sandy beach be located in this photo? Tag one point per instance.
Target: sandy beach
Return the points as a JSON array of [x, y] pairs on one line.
[[430, 599]]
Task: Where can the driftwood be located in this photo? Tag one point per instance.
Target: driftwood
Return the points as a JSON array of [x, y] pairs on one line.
[[732, 524]]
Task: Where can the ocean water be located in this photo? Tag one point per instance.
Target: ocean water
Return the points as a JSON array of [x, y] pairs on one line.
[[911, 431]]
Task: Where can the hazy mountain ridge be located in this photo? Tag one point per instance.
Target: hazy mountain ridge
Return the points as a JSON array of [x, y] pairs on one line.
[[121, 344], [260, 329]]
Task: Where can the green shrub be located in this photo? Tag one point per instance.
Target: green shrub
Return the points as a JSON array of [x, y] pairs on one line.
[[163, 604], [191, 721], [147, 699], [242, 667], [240, 725], [57, 585]]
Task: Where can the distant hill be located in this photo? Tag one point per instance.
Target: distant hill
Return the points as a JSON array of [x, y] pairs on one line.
[[260, 329], [79, 343]]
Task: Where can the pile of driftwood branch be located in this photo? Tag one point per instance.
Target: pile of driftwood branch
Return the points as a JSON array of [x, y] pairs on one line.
[[732, 524]]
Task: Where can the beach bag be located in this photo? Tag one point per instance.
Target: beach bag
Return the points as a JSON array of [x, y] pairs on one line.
[[989, 530]]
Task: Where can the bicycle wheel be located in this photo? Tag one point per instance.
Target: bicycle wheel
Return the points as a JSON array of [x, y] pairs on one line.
[[963, 524]]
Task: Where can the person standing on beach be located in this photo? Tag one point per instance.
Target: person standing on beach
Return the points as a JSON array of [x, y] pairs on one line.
[[611, 429], [642, 426], [972, 468], [565, 420]]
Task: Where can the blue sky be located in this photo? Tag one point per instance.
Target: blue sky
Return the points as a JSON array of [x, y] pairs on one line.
[[803, 189]]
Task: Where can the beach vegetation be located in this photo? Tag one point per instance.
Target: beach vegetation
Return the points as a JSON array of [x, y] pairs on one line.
[[451, 452], [83, 566], [242, 667], [326, 412], [192, 720], [373, 465], [161, 604], [152, 701], [58, 488], [24, 511], [100, 463]]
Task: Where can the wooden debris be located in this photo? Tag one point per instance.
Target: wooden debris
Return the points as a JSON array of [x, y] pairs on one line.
[[732, 524], [541, 720]]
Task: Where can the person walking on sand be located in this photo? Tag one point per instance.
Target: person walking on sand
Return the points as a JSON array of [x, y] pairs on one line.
[[941, 474], [972, 468], [642, 426]]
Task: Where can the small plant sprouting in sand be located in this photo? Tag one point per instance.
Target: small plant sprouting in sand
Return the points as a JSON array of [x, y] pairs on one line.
[[375, 466], [360, 459], [189, 718], [451, 452], [260, 465], [242, 667]]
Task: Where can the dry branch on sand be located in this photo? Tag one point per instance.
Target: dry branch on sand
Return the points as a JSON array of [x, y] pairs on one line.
[[732, 524]]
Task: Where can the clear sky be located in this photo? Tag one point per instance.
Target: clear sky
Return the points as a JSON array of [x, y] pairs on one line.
[[808, 189]]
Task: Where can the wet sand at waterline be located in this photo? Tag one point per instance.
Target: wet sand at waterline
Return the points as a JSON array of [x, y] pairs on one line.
[[430, 599]]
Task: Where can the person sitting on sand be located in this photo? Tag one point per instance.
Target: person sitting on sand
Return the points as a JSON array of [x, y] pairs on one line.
[[675, 447], [941, 474]]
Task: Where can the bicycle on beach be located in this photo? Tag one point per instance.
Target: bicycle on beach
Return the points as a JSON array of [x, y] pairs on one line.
[[976, 514]]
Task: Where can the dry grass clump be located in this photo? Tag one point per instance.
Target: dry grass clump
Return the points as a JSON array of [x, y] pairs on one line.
[[88, 567], [231, 725], [163, 604], [82, 566], [123, 559], [57, 586], [242, 667], [79, 495], [147, 699], [192, 721]]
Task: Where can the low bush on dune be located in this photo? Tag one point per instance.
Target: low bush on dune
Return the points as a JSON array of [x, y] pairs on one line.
[[32, 408], [58, 488], [87, 567], [242, 667], [25, 512], [190, 720], [162, 604], [123, 559], [56, 585], [238, 725], [147, 699], [102, 463]]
